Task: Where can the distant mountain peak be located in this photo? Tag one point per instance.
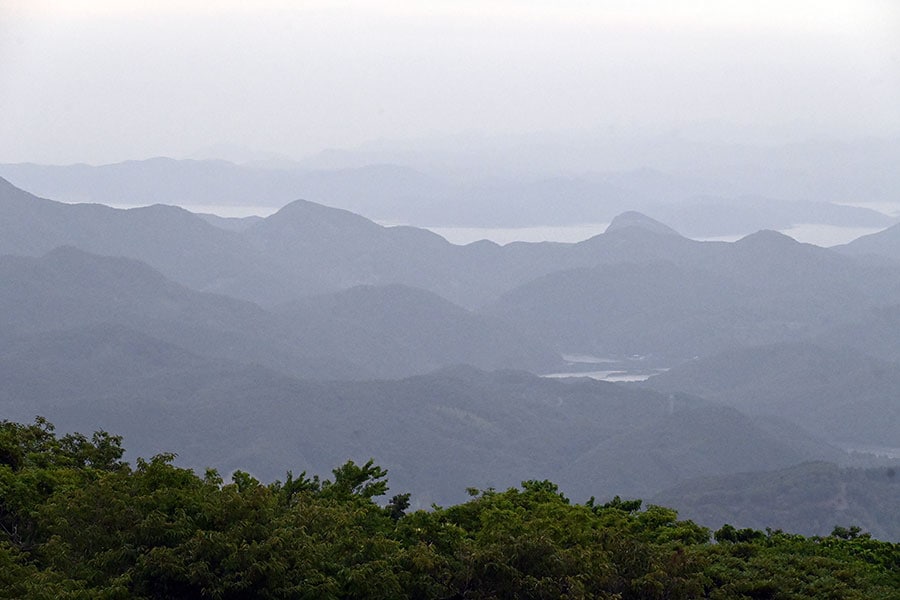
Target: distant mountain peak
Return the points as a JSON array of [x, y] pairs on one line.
[[767, 237], [305, 211], [634, 219]]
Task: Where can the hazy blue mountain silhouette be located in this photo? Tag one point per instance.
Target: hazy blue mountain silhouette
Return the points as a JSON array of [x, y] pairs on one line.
[[397, 330], [68, 288], [884, 243], [174, 241], [640, 221], [437, 434], [682, 445], [695, 203], [677, 298], [363, 332], [716, 216], [160, 339], [836, 393], [639, 288], [876, 333]]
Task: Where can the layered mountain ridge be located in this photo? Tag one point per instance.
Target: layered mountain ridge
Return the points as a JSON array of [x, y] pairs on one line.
[[315, 334]]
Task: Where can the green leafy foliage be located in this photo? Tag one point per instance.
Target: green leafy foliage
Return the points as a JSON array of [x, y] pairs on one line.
[[79, 523]]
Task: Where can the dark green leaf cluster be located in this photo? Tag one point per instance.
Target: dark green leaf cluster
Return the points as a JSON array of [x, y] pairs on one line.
[[77, 522]]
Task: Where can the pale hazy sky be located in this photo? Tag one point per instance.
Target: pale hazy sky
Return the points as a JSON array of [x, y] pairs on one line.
[[107, 80]]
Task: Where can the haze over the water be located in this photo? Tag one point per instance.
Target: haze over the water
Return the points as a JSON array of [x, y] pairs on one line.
[[101, 81]]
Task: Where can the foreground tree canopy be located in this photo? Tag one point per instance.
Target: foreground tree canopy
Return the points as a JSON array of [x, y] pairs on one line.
[[78, 522]]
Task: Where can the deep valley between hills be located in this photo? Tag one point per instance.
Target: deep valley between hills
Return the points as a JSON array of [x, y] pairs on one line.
[[314, 336]]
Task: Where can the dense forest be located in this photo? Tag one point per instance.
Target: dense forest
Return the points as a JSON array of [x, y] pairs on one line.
[[76, 521]]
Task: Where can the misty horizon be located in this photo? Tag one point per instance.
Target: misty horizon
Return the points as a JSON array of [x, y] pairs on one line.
[[295, 80]]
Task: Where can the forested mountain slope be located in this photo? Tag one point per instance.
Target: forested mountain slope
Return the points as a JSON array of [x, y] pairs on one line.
[[77, 522], [810, 499], [838, 393], [437, 433], [362, 333], [306, 249]]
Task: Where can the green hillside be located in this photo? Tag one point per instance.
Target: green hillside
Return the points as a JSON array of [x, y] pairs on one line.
[[77, 522]]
